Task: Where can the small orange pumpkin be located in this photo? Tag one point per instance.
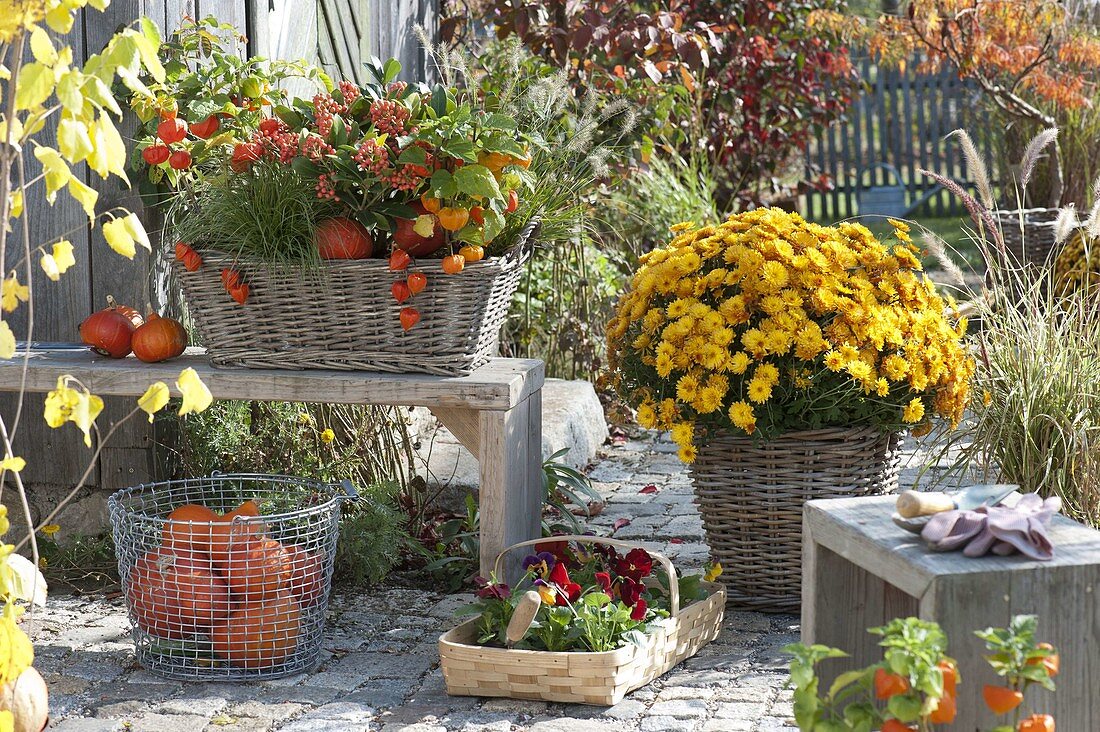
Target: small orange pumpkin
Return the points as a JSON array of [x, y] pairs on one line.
[[159, 339], [260, 634]]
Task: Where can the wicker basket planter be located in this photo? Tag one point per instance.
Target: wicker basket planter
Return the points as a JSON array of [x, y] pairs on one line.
[[751, 495], [342, 315], [1029, 242], [575, 677]]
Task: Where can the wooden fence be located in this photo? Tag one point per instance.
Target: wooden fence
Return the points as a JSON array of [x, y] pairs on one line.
[[336, 33], [900, 119]]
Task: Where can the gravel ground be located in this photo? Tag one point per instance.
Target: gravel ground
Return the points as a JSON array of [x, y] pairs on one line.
[[381, 667]]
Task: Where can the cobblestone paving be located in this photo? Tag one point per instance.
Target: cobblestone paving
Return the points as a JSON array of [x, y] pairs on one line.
[[381, 665]]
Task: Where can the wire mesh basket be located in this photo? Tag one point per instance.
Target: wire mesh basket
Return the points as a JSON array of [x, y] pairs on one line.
[[227, 577]]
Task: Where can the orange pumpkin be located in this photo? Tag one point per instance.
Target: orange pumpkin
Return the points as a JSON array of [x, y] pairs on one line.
[[233, 529], [260, 634], [109, 333], [188, 528], [307, 575], [256, 568], [175, 593], [159, 339]]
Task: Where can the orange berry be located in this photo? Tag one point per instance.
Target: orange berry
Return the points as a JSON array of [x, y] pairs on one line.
[[453, 219], [472, 253], [417, 281], [888, 684], [409, 317], [453, 263], [1037, 723], [399, 260], [1001, 699], [945, 712], [430, 204], [400, 291]]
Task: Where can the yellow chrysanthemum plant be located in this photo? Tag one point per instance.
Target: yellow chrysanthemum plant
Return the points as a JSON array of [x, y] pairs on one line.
[[45, 92], [767, 324]]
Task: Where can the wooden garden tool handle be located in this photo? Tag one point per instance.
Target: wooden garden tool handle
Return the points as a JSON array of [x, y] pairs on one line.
[[913, 503], [665, 562]]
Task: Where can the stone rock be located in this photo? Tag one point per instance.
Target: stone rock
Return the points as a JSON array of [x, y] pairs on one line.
[[572, 418]]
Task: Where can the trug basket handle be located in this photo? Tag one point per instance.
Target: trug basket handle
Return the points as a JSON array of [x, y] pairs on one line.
[[665, 562]]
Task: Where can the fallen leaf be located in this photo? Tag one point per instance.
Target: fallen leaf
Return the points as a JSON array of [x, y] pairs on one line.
[[649, 490], [619, 523], [675, 541]]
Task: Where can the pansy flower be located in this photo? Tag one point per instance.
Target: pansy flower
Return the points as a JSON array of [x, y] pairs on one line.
[[540, 564], [491, 590], [639, 611], [546, 592], [558, 549], [630, 592], [603, 579], [636, 564], [567, 588]]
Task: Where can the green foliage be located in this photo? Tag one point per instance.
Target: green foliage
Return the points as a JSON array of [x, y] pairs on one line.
[[329, 443], [270, 212], [673, 189], [1014, 654], [915, 650], [563, 486]]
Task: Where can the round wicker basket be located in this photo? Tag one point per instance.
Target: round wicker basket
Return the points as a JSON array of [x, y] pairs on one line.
[[342, 315], [1028, 234], [751, 494]]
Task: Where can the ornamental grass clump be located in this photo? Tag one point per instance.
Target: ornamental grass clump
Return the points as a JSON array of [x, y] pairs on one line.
[[767, 324]]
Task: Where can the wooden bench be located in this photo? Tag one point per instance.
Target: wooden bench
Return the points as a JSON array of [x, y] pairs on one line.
[[496, 412], [860, 571]]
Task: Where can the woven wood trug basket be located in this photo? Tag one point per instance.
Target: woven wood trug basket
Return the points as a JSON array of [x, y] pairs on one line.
[[342, 314], [1028, 234], [577, 677], [751, 495]]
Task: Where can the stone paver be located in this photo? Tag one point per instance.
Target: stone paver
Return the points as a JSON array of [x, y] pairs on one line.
[[382, 667]]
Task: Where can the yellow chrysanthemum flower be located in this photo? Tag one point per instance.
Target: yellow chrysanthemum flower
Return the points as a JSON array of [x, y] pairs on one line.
[[759, 391], [914, 411]]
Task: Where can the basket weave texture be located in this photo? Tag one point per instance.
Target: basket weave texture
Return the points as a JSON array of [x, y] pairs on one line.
[[578, 677], [751, 496], [342, 315], [1031, 241]]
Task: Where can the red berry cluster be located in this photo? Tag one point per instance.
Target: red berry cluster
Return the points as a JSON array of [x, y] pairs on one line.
[[315, 148], [389, 117], [278, 142], [408, 178], [325, 107], [396, 88], [373, 157], [349, 91], [325, 189]]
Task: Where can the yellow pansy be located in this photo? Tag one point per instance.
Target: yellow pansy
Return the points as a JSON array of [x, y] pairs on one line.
[[712, 572], [196, 397]]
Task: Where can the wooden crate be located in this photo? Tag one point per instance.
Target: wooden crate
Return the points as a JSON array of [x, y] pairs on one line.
[[860, 571]]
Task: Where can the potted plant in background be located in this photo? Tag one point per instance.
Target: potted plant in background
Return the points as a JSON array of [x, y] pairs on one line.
[[785, 357]]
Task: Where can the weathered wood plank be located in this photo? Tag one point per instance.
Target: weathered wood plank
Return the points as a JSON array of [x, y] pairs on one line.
[[510, 494], [463, 424], [499, 385]]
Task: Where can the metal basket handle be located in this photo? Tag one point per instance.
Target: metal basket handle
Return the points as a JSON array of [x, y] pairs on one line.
[[877, 166], [665, 562]]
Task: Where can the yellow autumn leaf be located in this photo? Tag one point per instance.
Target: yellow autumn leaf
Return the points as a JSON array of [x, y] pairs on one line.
[[63, 255], [424, 225], [42, 46], [16, 651], [119, 238], [49, 266], [12, 293], [60, 18], [196, 397], [16, 208], [14, 464], [66, 404], [7, 721], [7, 340], [34, 85], [108, 150], [56, 170], [154, 399], [85, 196], [69, 93], [136, 231], [73, 140]]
